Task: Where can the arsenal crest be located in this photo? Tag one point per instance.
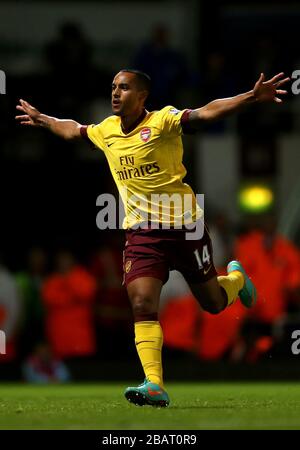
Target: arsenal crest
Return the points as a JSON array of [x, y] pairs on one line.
[[145, 134], [128, 266]]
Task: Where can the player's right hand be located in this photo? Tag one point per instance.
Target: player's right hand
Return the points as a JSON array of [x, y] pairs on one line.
[[31, 116]]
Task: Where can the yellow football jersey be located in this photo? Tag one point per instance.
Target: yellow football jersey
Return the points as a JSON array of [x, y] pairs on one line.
[[146, 164]]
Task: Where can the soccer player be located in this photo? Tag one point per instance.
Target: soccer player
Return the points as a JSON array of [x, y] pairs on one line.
[[144, 151]]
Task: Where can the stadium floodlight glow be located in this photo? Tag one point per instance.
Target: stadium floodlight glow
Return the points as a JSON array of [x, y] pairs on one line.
[[255, 198]]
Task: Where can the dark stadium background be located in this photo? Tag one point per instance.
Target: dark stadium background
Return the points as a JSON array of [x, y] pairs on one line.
[[61, 57]]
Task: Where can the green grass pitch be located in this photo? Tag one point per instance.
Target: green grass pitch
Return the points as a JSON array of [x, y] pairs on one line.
[[202, 405]]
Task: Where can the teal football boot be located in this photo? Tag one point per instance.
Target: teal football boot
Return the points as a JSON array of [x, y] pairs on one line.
[[248, 294], [147, 393]]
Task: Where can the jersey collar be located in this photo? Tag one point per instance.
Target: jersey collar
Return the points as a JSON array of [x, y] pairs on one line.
[[136, 123]]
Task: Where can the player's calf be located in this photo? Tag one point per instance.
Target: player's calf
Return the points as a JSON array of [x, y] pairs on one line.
[[209, 295]]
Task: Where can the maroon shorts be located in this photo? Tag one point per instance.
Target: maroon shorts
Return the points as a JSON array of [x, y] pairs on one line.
[[153, 253]]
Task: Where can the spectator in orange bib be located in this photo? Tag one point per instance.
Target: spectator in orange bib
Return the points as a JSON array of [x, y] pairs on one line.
[[264, 251], [179, 314], [68, 296]]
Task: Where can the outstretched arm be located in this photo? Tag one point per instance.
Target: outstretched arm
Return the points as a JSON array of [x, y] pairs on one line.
[[67, 129], [263, 91]]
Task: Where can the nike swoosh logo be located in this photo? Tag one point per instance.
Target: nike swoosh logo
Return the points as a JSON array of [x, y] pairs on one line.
[[153, 393], [207, 270]]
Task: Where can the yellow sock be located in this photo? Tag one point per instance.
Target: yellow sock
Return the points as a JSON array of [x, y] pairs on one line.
[[232, 284], [149, 341]]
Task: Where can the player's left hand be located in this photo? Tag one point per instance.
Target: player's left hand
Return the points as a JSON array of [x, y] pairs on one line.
[[267, 91]]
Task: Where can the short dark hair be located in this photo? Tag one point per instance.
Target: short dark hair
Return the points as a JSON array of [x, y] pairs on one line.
[[143, 79]]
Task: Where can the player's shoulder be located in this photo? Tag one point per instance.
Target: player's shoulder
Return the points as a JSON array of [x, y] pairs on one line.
[[108, 121], [168, 110], [107, 125], [167, 114]]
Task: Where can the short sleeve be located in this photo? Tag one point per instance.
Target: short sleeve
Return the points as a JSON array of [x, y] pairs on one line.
[[170, 119], [94, 133]]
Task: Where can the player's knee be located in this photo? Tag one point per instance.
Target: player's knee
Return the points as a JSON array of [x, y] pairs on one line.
[[142, 304]]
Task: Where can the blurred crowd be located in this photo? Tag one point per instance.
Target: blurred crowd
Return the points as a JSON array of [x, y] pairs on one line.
[[55, 313]]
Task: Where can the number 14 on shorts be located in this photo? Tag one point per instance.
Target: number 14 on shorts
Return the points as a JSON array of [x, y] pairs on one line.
[[205, 259]]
